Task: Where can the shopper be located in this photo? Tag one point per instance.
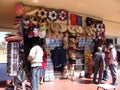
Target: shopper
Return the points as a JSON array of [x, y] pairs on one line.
[[99, 65], [35, 57], [113, 63], [106, 71]]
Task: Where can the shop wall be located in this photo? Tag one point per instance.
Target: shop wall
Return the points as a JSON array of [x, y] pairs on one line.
[[8, 30], [112, 28]]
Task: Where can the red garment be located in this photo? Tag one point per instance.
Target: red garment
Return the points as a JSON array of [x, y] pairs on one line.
[[73, 19], [106, 54], [44, 59]]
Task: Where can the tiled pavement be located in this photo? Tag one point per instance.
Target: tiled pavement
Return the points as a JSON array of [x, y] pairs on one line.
[[66, 84]]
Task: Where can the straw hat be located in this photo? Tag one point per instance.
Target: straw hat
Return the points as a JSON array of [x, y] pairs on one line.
[[66, 34], [60, 35], [55, 27], [34, 20], [73, 46], [72, 55], [93, 28], [71, 43], [62, 15], [54, 35], [42, 22], [72, 40], [52, 15], [48, 33], [63, 28], [31, 12], [42, 13], [79, 29], [88, 30], [71, 29]]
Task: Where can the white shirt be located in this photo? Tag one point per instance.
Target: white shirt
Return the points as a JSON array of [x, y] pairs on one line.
[[36, 53]]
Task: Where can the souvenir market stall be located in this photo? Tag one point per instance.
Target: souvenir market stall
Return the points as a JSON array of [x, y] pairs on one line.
[[59, 29]]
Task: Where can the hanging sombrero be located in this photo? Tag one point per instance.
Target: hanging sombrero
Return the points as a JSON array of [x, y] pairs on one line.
[[52, 15], [42, 13], [78, 29], [72, 40], [34, 20], [48, 33], [71, 29], [54, 35], [93, 28], [63, 28], [31, 12], [100, 27], [62, 15], [43, 22], [60, 35], [88, 30], [73, 46], [55, 27]]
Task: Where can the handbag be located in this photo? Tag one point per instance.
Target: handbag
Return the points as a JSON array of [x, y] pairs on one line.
[[21, 75]]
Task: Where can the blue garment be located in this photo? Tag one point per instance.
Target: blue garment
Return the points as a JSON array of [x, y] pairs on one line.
[[96, 69], [59, 56], [35, 72], [106, 74], [113, 70], [106, 71], [79, 20], [99, 66]]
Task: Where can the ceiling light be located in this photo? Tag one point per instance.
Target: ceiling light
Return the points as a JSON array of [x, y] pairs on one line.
[[35, 1]]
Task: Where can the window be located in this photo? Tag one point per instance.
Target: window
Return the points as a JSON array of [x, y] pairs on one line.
[[3, 47]]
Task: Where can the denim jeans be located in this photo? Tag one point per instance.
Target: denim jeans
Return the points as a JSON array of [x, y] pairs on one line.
[[96, 70], [106, 73], [113, 70], [35, 77]]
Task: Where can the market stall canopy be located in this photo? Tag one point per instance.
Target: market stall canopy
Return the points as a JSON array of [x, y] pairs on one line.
[[106, 9]]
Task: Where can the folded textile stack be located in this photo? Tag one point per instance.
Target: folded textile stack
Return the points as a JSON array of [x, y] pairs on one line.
[[12, 37]]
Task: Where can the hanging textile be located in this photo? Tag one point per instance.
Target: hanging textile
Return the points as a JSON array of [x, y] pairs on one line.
[[59, 56], [12, 58]]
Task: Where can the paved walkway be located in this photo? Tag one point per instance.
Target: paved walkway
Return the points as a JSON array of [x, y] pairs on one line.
[[65, 84]]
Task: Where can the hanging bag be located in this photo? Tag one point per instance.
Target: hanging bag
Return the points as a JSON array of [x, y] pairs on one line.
[[21, 75]]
